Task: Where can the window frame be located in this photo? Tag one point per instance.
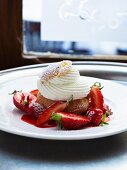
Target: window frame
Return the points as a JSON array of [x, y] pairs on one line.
[[11, 41]]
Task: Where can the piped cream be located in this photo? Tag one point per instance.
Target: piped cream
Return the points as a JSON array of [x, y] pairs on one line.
[[61, 80]]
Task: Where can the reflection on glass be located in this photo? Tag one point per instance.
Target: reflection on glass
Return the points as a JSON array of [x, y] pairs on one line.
[[102, 26]]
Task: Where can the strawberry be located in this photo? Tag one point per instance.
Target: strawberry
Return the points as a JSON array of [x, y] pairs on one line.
[[34, 92], [35, 109], [47, 114], [70, 121], [96, 98], [95, 115], [107, 110], [22, 100]]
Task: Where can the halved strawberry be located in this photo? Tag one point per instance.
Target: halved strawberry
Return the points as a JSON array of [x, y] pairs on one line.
[[35, 109], [95, 115], [96, 98], [70, 121], [34, 92], [22, 100], [47, 114]]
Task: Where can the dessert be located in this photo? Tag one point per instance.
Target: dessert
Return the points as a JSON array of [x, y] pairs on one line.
[[63, 98], [61, 81]]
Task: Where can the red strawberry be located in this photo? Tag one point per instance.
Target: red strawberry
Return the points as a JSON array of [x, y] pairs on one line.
[[47, 114], [107, 110], [95, 115], [96, 97], [70, 121], [21, 100], [34, 92], [35, 109]]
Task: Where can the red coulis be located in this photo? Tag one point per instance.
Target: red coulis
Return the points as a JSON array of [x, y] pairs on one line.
[[33, 121]]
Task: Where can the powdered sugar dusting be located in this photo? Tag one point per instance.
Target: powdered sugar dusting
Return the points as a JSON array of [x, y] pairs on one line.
[[61, 80], [56, 70]]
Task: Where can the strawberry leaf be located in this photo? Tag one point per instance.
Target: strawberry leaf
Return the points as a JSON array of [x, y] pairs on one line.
[[25, 103], [103, 123], [57, 118], [103, 120], [15, 91], [103, 117], [98, 84]]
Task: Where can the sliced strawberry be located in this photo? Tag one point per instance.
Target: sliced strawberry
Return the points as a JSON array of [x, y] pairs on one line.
[[34, 92], [107, 110], [96, 98], [47, 114], [95, 115], [35, 109], [22, 100], [70, 121]]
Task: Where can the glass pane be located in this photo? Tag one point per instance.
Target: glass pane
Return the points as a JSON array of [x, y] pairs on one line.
[[88, 27]]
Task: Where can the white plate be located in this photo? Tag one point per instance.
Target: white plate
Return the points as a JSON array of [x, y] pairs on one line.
[[115, 96]]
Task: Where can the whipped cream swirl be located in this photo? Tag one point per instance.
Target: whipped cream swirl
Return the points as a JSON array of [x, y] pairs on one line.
[[61, 80]]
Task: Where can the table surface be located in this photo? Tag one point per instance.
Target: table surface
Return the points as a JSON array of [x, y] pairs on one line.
[[22, 153]]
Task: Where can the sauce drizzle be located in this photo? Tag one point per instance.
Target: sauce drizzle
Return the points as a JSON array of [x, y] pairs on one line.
[[31, 120]]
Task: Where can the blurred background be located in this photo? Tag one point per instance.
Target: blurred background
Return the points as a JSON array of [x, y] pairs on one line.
[[89, 27], [39, 31]]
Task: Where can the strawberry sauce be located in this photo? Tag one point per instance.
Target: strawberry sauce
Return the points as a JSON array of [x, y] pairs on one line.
[[31, 120]]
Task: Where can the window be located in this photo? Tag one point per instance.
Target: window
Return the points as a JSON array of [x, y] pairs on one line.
[[76, 27], [36, 40]]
